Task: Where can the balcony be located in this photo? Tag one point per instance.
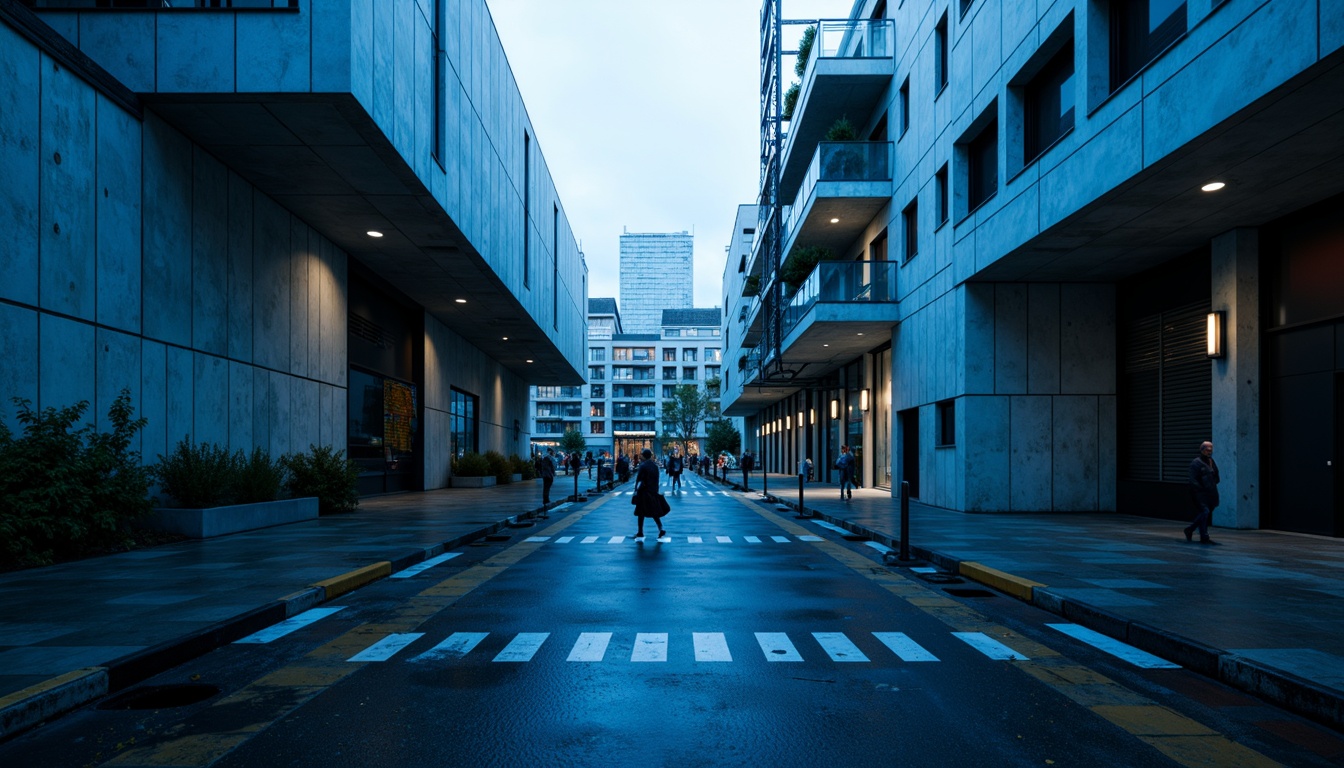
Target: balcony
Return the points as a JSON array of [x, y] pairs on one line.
[[851, 65], [845, 186]]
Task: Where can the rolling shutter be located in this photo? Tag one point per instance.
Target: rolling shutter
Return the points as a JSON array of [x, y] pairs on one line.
[[1167, 393]]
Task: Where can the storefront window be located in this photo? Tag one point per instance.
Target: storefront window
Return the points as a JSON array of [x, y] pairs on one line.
[[464, 423], [382, 422]]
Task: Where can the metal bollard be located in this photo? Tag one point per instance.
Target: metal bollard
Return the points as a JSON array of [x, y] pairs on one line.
[[905, 521]]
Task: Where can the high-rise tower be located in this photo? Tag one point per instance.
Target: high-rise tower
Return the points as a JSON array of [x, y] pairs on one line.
[[657, 273]]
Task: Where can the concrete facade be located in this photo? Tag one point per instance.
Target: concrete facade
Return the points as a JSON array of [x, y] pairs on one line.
[[1009, 310], [186, 204]]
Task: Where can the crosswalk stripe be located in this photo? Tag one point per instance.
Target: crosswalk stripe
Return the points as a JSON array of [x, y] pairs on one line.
[[277, 631], [693, 540], [457, 645], [904, 647], [589, 539], [711, 646], [1138, 658], [752, 539], [387, 647], [616, 540], [523, 646], [989, 646], [923, 569], [591, 646], [538, 539], [839, 647], [421, 567], [724, 539], [650, 646], [777, 647], [564, 539], [830, 526], [780, 539], [697, 493], [810, 538]]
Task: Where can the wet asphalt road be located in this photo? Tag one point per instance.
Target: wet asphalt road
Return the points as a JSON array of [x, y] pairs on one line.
[[737, 640]]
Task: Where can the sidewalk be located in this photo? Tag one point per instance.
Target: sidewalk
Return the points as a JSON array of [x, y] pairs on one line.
[[73, 632], [1263, 612]]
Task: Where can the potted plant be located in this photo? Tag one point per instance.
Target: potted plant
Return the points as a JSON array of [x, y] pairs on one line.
[[842, 163], [801, 262], [472, 470], [751, 286]]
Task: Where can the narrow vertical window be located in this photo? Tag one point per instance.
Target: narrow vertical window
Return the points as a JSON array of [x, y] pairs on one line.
[[555, 267], [940, 52], [940, 183], [440, 64], [905, 106], [1140, 30], [910, 220], [982, 177], [527, 210]]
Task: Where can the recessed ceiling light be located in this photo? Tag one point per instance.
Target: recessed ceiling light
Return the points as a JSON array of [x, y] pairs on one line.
[[506, 338], [374, 233], [860, 333], [825, 345], [529, 361], [835, 221], [1213, 186], [460, 301]]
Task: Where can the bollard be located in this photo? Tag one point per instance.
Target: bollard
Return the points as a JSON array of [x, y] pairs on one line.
[[802, 478], [905, 521]]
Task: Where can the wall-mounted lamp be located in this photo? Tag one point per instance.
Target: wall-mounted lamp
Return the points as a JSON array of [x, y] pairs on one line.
[[835, 408], [788, 422], [1213, 333], [863, 400], [800, 419], [813, 413]]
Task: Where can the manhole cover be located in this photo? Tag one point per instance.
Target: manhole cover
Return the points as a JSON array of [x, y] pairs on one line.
[[969, 592], [940, 578], [160, 697]]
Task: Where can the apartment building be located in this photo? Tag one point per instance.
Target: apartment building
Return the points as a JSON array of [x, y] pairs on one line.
[[1027, 257], [287, 224]]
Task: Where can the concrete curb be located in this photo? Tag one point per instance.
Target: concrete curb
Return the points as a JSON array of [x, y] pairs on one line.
[[36, 704], [1284, 689]]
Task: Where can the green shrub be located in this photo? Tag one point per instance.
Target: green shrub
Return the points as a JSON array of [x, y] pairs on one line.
[[790, 101], [805, 44], [65, 490], [522, 467], [196, 475], [257, 477], [499, 467], [471, 464], [801, 262], [842, 130], [751, 286], [325, 473]]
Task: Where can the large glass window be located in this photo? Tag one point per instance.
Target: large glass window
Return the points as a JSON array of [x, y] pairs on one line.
[[670, 354], [713, 355], [597, 372], [1140, 30], [1049, 104], [382, 421], [669, 373], [464, 425], [982, 167], [599, 391], [688, 355], [688, 373], [597, 354], [636, 354]]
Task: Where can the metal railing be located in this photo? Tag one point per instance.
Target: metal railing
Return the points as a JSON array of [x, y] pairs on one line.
[[842, 282], [155, 5], [853, 39], [839, 161]]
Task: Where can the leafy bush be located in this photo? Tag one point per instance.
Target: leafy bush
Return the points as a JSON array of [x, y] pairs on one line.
[[801, 262], [805, 44], [791, 101], [471, 465], [499, 467], [257, 478], [751, 286], [325, 473], [65, 490], [521, 467], [196, 475], [842, 130]]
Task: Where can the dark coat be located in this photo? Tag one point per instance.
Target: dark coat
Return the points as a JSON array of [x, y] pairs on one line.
[[646, 491], [1204, 481], [546, 468]]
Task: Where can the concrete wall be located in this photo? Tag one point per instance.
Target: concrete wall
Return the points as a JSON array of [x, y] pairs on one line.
[[134, 260]]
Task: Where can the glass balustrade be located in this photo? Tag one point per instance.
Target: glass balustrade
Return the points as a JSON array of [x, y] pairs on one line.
[[842, 282], [839, 161]]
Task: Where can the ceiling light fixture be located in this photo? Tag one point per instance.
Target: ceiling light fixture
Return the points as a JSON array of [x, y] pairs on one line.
[[529, 361], [1213, 186], [835, 221], [506, 338], [374, 233], [460, 301]]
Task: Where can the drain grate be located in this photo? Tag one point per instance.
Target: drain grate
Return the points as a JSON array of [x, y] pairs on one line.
[[161, 697], [969, 592]]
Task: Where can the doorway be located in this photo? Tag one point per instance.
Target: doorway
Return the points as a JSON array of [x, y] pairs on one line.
[[908, 421]]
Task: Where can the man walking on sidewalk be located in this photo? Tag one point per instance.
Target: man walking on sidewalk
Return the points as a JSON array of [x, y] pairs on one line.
[[748, 463], [546, 471], [846, 466], [1204, 492]]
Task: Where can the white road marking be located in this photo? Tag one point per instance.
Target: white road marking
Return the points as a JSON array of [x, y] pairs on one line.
[[693, 540], [923, 569], [879, 547], [457, 645], [831, 527], [697, 493], [989, 646], [780, 539], [752, 539], [724, 539], [904, 647], [711, 646], [566, 505], [277, 631], [387, 647], [537, 539], [421, 567], [592, 646], [589, 539], [616, 540], [839, 647], [777, 647], [665, 539], [564, 539], [810, 538], [650, 646], [523, 646], [1110, 645]]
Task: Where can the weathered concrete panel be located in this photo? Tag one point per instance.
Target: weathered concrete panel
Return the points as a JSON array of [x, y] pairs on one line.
[[1087, 339], [117, 193], [121, 43], [332, 33], [979, 338], [211, 417], [279, 401], [384, 76], [297, 259], [273, 51], [305, 410], [18, 348], [436, 451], [195, 52], [361, 50], [1043, 339], [1114, 154], [66, 362], [313, 316], [1010, 339], [326, 398], [270, 284], [154, 399], [336, 419], [1019, 23], [261, 409], [1331, 26], [1075, 454], [118, 368], [1030, 443], [210, 255], [240, 407], [985, 445], [1107, 452], [166, 276], [20, 83], [240, 269], [67, 218], [181, 375], [987, 43], [403, 79]]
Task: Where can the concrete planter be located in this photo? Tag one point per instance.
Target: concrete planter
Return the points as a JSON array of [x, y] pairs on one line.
[[516, 478], [473, 482], [219, 521]]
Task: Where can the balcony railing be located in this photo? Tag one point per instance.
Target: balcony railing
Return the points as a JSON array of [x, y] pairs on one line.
[[839, 161], [852, 39], [842, 282], [248, 5]]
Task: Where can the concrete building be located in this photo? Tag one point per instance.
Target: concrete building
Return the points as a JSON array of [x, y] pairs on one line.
[[657, 273], [1072, 240], [322, 222], [630, 376]]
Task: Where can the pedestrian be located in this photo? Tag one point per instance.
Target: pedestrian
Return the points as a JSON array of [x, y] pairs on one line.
[[748, 463], [575, 463], [623, 467], [647, 500], [674, 471], [1203, 485], [588, 462], [846, 466], [546, 471]]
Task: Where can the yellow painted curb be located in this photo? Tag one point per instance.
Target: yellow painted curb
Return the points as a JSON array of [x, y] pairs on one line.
[[23, 709], [348, 582], [1004, 582]]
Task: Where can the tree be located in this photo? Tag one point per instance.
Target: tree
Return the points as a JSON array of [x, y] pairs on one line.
[[722, 436], [683, 413], [572, 442]]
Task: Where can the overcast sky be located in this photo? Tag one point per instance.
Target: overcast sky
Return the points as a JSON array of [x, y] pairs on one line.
[[647, 115]]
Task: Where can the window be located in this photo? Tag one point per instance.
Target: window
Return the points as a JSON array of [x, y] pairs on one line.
[[597, 354], [877, 249], [560, 392], [670, 354], [905, 106], [669, 373], [1140, 30], [669, 391], [597, 409], [622, 373], [688, 355], [672, 332], [940, 54], [634, 354], [688, 373], [982, 167], [597, 372], [555, 267], [940, 184], [527, 210], [599, 391], [598, 427], [966, 6], [713, 355], [947, 423], [1049, 104], [712, 371], [910, 221], [463, 428], [440, 72]]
